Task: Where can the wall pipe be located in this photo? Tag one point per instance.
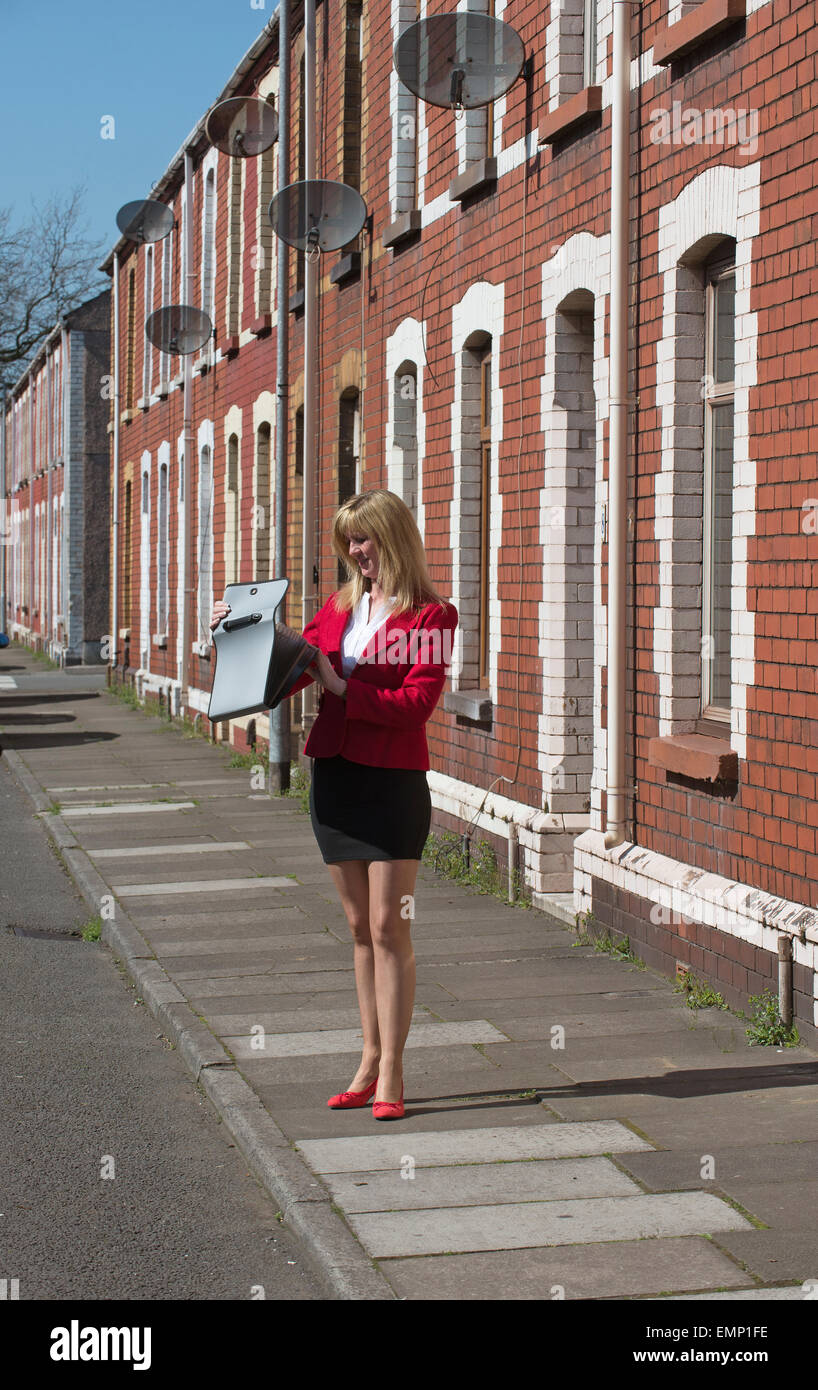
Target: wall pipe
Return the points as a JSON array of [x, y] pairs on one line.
[[113, 650], [618, 436], [308, 570], [279, 742], [187, 452]]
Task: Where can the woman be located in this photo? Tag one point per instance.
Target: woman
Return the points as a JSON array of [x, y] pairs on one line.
[[384, 642]]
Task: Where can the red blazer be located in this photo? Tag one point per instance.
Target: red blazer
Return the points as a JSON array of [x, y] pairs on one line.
[[390, 693]]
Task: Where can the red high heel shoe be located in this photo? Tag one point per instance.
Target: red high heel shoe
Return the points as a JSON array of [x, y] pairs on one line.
[[352, 1100], [389, 1109]]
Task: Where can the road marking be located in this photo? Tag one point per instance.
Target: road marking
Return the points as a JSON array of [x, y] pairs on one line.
[[8, 683]]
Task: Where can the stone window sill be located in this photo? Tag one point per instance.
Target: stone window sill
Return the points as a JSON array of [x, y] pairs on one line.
[[477, 176], [348, 268], [405, 226], [570, 113], [702, 23], [702, 757], [160, 639], [469, 704]]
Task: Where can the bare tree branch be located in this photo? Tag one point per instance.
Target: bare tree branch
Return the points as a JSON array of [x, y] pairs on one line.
[[47, 267]]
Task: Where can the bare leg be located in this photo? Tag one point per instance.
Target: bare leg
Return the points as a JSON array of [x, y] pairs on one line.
[[352, 882], [391, 907]]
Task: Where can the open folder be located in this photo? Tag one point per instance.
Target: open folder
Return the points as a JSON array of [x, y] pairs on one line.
[[258, 660]]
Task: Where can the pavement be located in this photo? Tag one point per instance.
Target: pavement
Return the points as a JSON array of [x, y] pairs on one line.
[[572, 1129]]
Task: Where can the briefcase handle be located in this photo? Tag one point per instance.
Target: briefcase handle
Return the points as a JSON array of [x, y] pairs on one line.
[[233, 624]]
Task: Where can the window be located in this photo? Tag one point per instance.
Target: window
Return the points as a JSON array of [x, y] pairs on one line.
[[208, 247], [263, 507], [147, 350], [589, 33], [485, 513], [130, 345], [167, 298], [717, 541], [162, 553], [233, 533], [302, 158], [405, 440], [349, 424], [205, 594], [353, 69], [405, 107], [299, 441], [234, 249], [126, 557]]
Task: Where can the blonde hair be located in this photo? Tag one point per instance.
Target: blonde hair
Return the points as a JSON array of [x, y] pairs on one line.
[[385, 518]]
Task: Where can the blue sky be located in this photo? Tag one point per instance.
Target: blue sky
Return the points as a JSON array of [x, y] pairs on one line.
[[154, 65]]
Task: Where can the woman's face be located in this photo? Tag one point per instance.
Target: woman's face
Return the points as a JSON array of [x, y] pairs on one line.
[[364, 553]]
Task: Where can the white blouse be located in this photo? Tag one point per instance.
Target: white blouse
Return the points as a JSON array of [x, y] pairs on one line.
[[358, 632]]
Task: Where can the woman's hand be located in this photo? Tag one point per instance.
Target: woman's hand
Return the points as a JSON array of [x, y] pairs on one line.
[[322, 670], [220, 610]]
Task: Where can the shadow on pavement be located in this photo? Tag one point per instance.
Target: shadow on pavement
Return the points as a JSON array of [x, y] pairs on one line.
[[33, 698], [18, 741], [677, 1085]]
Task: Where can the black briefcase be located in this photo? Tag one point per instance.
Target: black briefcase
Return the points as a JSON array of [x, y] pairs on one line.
[[258, 660]]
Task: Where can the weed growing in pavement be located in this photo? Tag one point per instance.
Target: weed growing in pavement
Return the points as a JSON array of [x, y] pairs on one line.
[[126, 693], [767, 1027], [250, 759], [478, 869], [698, 994], [92, 929], [299, 788], [619, 949], [46, 660]]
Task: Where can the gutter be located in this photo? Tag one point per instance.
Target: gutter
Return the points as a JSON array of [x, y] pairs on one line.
[[618, 436]]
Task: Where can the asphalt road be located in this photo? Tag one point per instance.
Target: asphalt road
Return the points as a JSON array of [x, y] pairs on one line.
[[117, 1179]]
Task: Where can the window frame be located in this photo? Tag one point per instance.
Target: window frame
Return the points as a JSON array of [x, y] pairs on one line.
[[715, 395]]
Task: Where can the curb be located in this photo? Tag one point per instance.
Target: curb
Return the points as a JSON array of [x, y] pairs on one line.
[[337, 1258]]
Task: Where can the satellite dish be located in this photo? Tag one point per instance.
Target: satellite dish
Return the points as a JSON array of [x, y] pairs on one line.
[[242, 126], [459, 60], [179, 329], [145, 220], [317, 214]]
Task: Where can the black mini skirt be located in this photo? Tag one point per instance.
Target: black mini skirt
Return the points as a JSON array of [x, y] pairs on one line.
[[362, 812]]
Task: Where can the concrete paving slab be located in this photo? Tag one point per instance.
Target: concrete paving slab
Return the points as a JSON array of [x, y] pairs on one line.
[[548, 1140], [228, 946], [245, 886], [149, 851], [618, 1269], [512, 1226], [306, 1044], [239, 1024], [126, 808], [781, 1205], [682, 1167], [411, 1189], [523, 985], [579, 1027], [419, 1071], [780, 1295]]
